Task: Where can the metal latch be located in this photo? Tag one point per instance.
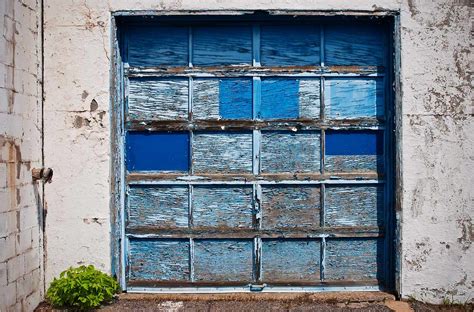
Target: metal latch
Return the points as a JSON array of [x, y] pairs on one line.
[[259, 287], [45, 174]]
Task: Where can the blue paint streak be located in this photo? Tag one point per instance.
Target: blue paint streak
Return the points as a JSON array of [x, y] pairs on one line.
[[354, 143], [235, 98], [222, 45], [157, 45], [279, 99], [157, 151]]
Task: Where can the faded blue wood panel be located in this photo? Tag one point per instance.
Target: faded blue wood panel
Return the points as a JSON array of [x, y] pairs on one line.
[[158, 206], [354, 205], [162, 151], [222, 206], [287, 45], [289, 98], [157, 46], [222, 45], [352, 44], [158, 260], [226, 98], [223, 260], [157, 99], [291, 152], [285, 206], [287, 261], [354, 151], [347, 98], [222, 152], [353, 259]]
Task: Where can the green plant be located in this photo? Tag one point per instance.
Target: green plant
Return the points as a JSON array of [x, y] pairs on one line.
[[81, 288]]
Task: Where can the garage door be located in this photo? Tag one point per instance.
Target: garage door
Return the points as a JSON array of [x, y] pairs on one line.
[[256, 155]]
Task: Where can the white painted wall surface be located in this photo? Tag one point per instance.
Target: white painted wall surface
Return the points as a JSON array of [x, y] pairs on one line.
[[437, 133]]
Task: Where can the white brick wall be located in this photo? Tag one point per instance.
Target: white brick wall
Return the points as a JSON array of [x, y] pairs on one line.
[[20, 150]]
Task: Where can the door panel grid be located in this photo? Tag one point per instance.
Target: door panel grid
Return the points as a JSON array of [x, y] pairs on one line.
[[264, 149]]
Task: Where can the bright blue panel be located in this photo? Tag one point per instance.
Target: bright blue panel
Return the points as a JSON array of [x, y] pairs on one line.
[[224, 45], [157, 151], [285, 45], [279, 99], [354, 143], [157, 46], [235, 98], [346, 98], [352, 44]]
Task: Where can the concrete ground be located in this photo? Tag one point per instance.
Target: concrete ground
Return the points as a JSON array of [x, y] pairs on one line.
[[359, 301]]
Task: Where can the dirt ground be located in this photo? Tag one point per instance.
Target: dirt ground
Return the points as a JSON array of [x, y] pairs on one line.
[[366, 301]]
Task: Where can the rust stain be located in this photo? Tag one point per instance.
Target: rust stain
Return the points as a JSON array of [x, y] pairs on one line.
[[13, 163]]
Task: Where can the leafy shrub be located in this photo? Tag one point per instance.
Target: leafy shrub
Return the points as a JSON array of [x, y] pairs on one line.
[[81, 288]]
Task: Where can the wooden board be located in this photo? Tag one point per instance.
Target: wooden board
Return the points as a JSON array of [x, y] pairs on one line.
[[223, 260], [226, 98], [290, 261], [290, 151], [287, 45], [354, 151], [285, 206], [363, 45], [225, 45], [222, 206], [157, 99], [353, 205], [222, 152], [353, 259], [158, 259], [157, 46], [158, 206], [289, 98], [352, 98]]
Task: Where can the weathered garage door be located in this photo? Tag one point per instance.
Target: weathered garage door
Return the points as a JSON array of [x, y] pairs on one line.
[[256, 155]]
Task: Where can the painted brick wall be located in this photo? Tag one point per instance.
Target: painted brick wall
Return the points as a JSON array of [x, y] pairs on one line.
[[20, 150]]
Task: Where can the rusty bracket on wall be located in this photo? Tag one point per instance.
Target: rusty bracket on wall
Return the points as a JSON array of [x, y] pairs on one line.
[[44, 174]]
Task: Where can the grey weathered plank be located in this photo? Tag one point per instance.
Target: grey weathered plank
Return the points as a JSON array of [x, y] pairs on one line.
[[290, 260], [222, 207], [159, 206], [223, 260], [354, 205], [222, 152], [290, 206], [158, 259], [206, 99], [157, 99], [353, 259], [290, 152]]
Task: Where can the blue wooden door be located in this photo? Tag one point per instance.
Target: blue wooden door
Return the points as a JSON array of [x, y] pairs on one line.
[[256, 155]]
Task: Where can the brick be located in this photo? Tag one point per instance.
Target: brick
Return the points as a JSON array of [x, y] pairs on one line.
[[7, 247], [27, 284], [3, 274], [28, 217], [15, 268], [7, 296], [3, 179], [32, 301], [23, 241], [8, 223], [32, 260]]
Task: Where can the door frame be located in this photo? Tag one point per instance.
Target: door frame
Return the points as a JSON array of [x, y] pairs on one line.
[[393, 149]]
